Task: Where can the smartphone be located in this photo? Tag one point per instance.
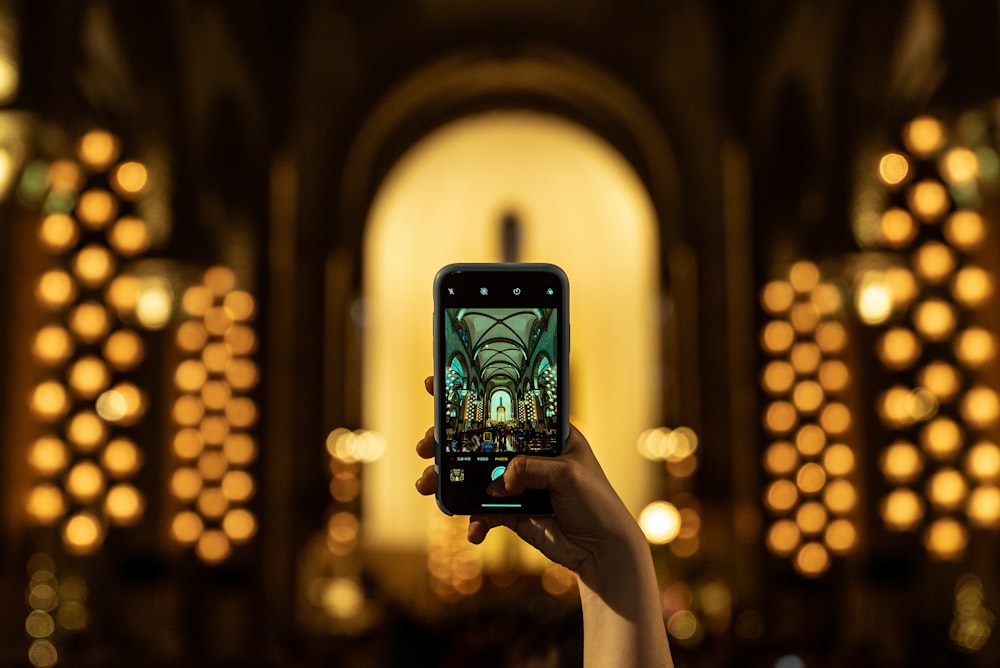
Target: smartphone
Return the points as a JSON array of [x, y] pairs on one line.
[[501, 350]]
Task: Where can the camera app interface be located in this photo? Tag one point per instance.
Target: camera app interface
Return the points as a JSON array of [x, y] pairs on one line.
[[500, 388]]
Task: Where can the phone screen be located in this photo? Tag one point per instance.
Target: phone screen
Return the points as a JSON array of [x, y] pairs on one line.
[[501, 343]]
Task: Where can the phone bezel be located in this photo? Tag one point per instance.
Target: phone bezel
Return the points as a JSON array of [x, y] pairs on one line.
[[533, 502]]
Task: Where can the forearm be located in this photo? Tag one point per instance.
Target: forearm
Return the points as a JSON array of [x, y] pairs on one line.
[[622, 616]]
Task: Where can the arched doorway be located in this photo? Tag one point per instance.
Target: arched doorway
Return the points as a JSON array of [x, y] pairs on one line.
[[524, 185]]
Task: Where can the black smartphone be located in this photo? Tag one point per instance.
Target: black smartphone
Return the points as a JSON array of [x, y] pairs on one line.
[[501, 350]]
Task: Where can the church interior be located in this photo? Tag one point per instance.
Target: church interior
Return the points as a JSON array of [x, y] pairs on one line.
[[219, 227]]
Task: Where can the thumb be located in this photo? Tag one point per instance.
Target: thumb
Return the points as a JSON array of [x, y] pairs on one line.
[[528, 473]]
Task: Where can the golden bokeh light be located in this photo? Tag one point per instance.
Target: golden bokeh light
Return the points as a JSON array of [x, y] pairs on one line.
[[810, 440], [902, 509], [64, 175], [212, 465], [897, 229], [808, 396], [191, 336], [804, 316], [217, 320], [45, 504], [240, 305], [923, 136], [98, 149], [49, 400], [216, 394], [93, 265], [840, 497], [186, 483], [219, 280], [241, 339], [155, 305], [783, 537], [213, 546], [805, 357], [87, 431], [980, 407], [83, 533], [242, 374], [812, 559], [123, 404], [216, 355], [873, 298], [238, 486], [96, 208], [188, 410], [946, 538], [212, 503], [834, 376], [52, 345], [898, 348], [240, 525], [196, 300], [965, 230], [124, 349], [188, 443], [242, 412], [831, 337], [186, 527], [58, 232], [804, 276], [835, 418], [121, 457], [940, 379], [960, 166], [982, 462], [947, 489], [89, 321], [85, 481], [810, 478], [130, 236], [55, 289], [48, 455], [124, 505], [838, 459], [901, 462], [123, 293], [88, 376], [893, 168], [827, 298], [777, 297], [934, 262], [941, 438], [935, 319], [240, 449], [928, 200], [983, 507], [660, 521], [972, 286], [777, 336], [841, 536], [214, 429], [190, 375], [811, 518], [778, 377], [130, 179], [975, 346], [781, 495], [780, 417], [781, 458]]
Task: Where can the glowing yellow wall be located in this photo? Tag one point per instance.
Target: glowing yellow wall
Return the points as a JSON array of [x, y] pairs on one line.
[[582, 207]]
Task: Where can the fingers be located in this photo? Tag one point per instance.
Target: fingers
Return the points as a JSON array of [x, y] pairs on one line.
[[427, 482], [530, 473], [425, 446], [429, 384]]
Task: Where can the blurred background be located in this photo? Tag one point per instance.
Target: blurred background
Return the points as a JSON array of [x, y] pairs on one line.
[[219, 225]]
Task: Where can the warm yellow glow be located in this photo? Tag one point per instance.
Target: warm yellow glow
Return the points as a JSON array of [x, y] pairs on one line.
[[124, 505], [121, 457], [52, 345], [49, 400], [342, 598], [58, 232], [88, 376], [240, 449], [898, 348], [90, 322], [83, 533], [190, 375], [220, 280], [840, 536], [804, 317], [810, 478], [893, 168], [241, 339], [902, 510], [187, 527], [212, 465], [900, 406], [242, 412], [216, 356], [191, 336], [960, 166], [87, 431], [873, 298], [897, 228], [940, 379], [965, 230], [196, 300], [808, 396], [835, 418], [130, 236], [64, 175], [240, 525], [935, 319], [185, 483], [239, 305], [805, 357], [213, 546], [98, 149], [780, 417], [781, 495], [831, 337], [661, 522], [810, 440], [923, 136], [188, 410], [928, 200], [777, 336], [93, 265], [804, 276], [840, 497], [45, 504], [946, 539], [155, 304], [216, 394], [983, 508], [85, 481], [212, 503], [834, 376], [901, 462], [811, 518], [980, 407], [48, 455], [214, 429], [130, 179], [827, 298], [781, 458], [941, 438], [124, 349], [238, 486], [242, 374], [975, 346], [188, 443], [947, 489], [123, 404], [96, 208], [934, 262], [777, 297], [972, 286], [356, 446], [217, 320], [983, 461], [55, 289], [838, 460], [443, 202], [778, 377], [783, 537], [812, 560]]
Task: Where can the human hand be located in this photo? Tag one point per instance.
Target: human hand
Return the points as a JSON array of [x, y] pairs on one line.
[[589, 520]]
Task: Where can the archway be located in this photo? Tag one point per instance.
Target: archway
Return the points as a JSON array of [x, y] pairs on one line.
[[578, 203]]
